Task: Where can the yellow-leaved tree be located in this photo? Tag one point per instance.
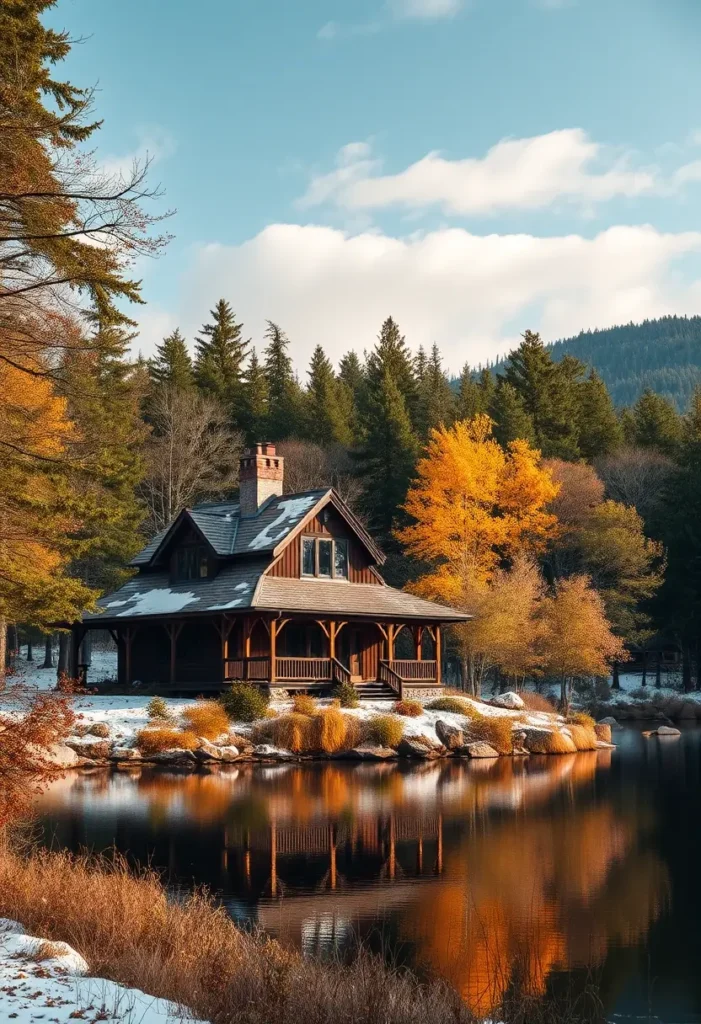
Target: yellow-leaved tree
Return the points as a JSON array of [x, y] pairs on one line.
[[475, 508]]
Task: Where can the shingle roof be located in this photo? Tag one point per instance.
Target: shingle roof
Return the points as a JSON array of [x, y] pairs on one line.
[[335, 597]]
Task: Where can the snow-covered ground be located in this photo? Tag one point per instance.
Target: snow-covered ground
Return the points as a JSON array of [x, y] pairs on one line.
[[30, 673], [49, 981]]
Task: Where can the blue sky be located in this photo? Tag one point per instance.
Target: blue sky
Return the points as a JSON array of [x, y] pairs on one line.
[[472, 167]]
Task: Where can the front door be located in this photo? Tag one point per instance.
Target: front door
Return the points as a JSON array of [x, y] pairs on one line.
[[354, 660]]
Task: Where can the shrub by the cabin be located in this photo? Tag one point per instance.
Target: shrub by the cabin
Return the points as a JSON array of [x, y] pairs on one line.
[[347, 694], [155, 741], [385, 730], [334, 731], [158, 708], [207, 718], [244, 703], [289, 732], [456, 705], [304, 704], [408, 708]]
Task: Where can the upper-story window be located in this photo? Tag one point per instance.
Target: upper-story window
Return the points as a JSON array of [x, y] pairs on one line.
[[192, 562], [325, 557]]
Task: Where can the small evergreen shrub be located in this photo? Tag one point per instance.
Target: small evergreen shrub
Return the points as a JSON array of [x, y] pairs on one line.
[[244, 703], [347, 694], [304, 704], [456, 705], [158, 708], [496, 730], [207, 718], [408, 708], [385, 730], [156, 740], [640, 693]]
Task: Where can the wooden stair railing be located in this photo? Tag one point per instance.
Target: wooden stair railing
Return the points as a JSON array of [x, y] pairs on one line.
[[391, 678], [339, 672]]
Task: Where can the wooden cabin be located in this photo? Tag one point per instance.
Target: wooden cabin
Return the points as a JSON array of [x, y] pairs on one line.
[[282, 590]]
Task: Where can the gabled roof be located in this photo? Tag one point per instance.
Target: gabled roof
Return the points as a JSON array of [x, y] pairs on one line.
[[274, 524], [333, 597]]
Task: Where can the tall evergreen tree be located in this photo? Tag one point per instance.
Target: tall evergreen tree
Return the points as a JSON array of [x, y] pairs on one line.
[[436, 401], [351, 377], [391, 355], [511, 421], [657, 423], [469, 400], [255, 401], [172, 364], [387, 457], [327, 408], [219, 358], [599, 429], [284, 393], [549, 392]]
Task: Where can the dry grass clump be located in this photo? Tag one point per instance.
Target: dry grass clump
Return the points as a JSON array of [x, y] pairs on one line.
[[408, 708], [327, 731], [333, 731], [580, 718], [546, 742], [207, 718], [537, 702], [190, 952], [303, 704], [496, 730], [155, 741], [584, 736], [385, 730], [289, 732], [457, 705]]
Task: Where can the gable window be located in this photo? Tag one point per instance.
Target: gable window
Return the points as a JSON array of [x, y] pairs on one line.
[[325, 557], [192, 562]]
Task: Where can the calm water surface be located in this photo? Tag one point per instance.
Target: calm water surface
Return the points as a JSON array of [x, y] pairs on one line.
[[545, 869]]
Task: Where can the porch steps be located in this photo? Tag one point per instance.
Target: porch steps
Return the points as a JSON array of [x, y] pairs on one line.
[[375, 691]]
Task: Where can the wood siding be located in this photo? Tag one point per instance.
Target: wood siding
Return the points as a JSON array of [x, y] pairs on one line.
[[289, 564]]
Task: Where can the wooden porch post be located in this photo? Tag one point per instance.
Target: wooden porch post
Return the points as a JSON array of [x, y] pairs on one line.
[[77, 633], [273, 649], [173, 629], [128, 638], [332, 640], [418, 639], [391, 633], [439, 666], [247, 630]]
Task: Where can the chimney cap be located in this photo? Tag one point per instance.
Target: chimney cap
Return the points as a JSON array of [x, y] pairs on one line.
[[261, 448]]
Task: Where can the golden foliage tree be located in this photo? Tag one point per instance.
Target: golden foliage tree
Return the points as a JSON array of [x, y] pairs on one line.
[[578, 641]]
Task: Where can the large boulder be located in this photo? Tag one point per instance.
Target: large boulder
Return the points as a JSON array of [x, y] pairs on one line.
[[125, 754], [96, 750], [610, 722], [666, 730], [451, 736], [603, 731], [58, 755], [480, 749], [100, 729], [228, 754], [414, 748], [270, 753], [511, 701], [175, 756], [207, 751], [365, 752]]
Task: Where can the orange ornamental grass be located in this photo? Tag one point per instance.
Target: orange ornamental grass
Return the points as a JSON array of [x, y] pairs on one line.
[[155, 741], [207, 718]]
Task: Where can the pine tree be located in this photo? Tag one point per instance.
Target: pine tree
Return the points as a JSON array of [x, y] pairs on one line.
[[436, 402], [326, 406], [391, 355], [511, 421], [626, 420], [420, 365], [549, 392], [387, 457], [599, 429], [172, 364], [255, 401], [469, 400], [351, 379], [657, 423], [284, 393], [219, 358]]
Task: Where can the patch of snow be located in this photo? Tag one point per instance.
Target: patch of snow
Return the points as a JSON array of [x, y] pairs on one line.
[[230, 604], [242, 586], [55, 987], [103, 665], [291, 511], [160, 601]]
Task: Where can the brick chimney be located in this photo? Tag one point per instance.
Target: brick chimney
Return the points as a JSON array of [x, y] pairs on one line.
[[260, 477]]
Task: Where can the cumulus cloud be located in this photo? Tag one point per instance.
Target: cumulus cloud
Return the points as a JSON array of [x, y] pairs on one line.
[[531, 173], [472, 294]]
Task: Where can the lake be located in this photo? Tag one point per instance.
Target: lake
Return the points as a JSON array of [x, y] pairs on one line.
[[558, 871]]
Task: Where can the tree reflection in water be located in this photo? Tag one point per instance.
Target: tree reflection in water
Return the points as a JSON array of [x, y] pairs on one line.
[[487, 873]]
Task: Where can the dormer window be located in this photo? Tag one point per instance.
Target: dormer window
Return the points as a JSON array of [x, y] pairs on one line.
[[192, 562], [325, 558]]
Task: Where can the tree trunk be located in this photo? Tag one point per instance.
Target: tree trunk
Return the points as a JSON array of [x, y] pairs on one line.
[[658, 670], [49, 652], [615, 681], [63, 646], [30, 649], [644, 679], [3, 652], [686, 668]]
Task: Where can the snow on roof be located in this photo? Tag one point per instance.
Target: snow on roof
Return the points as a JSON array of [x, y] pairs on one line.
[[160, 601], [291, 511]]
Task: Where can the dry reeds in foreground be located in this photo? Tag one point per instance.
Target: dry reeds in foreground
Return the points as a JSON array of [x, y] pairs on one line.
[[191, 953]]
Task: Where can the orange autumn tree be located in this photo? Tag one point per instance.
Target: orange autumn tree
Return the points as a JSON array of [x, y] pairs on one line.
[[38, 515], [476, 507]]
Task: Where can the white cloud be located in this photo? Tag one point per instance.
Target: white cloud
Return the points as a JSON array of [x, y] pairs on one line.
[[427, 9], [470, 293], [530, 173]]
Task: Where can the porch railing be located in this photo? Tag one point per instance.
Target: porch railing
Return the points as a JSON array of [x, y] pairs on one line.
[[302, 668], [339, 672], [391, 678], [425, 671], [257, 669]]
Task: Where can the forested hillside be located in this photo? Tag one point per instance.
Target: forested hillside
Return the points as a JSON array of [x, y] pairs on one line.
[[662, 355]]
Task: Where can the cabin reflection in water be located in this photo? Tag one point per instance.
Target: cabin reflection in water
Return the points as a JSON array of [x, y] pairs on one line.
[[479, 873]]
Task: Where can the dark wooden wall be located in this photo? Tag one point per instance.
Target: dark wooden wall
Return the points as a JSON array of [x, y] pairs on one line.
[[150, 654], [359, 562], [198, 653]]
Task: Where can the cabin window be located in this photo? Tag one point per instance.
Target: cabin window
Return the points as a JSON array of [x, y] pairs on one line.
[[308, 556], [192, 562], [325, 558]]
